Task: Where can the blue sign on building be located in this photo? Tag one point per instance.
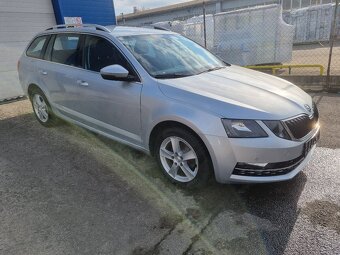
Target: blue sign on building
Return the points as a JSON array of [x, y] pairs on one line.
[[91, 11]]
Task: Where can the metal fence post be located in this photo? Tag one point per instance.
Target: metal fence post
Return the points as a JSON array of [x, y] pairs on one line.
[[204, 26], [332, 38]]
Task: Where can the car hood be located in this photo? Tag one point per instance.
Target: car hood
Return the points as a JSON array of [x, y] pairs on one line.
[[240, 93]]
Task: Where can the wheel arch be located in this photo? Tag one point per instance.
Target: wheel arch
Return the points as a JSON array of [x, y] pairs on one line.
[[171, 124], [31, 87]]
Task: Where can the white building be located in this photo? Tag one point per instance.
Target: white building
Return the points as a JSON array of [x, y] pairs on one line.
[[19, 22], [193, 8]]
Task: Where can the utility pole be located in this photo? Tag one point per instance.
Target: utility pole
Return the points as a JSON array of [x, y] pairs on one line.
[[332, 38], [123, 19], [204, 26]]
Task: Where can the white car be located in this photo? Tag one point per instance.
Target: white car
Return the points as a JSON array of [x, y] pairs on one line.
[[165, 95]]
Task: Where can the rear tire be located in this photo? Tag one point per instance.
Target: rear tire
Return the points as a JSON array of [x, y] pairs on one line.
[[42, 108], [183, 157]]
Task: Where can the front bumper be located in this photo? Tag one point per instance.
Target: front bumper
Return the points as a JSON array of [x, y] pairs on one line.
[[227, 154]]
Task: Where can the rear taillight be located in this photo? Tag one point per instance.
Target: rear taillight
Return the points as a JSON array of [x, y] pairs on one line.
[[18, 65]]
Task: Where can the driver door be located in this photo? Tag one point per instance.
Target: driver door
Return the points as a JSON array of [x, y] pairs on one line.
[[110, 106]]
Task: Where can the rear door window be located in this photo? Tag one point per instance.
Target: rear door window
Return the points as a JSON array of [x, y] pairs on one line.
[[35, 50], [66, 50]]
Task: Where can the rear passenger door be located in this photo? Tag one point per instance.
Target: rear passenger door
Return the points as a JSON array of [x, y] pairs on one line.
[[60, 72], [110, 106]]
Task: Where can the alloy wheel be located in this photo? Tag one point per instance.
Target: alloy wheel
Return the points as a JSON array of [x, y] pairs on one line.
[[40, 108], [179, 159]]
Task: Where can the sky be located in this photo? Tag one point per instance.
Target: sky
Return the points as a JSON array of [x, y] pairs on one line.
[[126, 6]]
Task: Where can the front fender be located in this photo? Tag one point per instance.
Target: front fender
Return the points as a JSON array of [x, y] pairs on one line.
[[202, 123]]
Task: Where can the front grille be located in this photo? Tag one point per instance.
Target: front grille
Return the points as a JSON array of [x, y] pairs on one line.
[[272, 169], [300, 126]]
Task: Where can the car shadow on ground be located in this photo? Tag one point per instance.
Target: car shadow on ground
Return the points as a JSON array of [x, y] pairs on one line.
[[233, 219]]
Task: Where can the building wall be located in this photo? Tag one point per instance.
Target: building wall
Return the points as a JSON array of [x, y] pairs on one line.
[[19, 22], [92, 11], [214, 7], [187, 12]]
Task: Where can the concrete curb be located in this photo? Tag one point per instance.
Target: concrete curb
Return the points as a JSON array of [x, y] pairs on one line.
[[12, 99]]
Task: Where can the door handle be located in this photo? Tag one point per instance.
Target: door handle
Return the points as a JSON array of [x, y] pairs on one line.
[[83, 83], [43, 72]]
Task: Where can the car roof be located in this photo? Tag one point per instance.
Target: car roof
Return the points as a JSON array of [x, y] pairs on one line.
[[125, 31], [115, 31]]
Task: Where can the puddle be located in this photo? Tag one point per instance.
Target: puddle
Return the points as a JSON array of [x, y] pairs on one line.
[[323, 213]]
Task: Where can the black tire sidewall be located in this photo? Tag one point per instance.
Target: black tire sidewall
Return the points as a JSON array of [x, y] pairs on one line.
[[204, 162]]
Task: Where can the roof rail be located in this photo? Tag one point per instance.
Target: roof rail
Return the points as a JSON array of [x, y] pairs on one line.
[[97, 27], [161, 28], [156, 27]]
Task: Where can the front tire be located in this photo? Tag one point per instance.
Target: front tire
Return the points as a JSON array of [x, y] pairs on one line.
[[41, 108], [183, 157]]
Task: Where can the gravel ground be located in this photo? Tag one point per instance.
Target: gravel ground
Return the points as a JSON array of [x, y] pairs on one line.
[[64, 190]]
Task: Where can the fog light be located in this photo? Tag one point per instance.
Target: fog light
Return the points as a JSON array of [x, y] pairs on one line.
[[258, 164], [252, 166]]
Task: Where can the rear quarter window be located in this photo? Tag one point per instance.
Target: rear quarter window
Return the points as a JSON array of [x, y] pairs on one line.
[[36, 47]]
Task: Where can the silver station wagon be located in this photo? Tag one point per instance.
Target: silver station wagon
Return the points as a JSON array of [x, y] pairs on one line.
[[163, 94]]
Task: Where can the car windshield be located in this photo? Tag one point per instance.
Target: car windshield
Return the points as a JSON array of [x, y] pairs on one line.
[[170, 55]]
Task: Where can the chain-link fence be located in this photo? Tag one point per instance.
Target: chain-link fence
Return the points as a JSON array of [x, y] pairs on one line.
[[293, 42]]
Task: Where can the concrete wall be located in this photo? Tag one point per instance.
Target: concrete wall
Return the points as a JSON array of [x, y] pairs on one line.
[[312, 24]]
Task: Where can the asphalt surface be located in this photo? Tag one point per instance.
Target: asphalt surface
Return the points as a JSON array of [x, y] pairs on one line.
[[64, 190]]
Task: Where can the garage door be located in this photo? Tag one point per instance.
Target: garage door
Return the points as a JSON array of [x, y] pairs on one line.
[[19, 22]]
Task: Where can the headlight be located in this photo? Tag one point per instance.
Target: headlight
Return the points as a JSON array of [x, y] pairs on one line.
[[277, 128], [243, 129]]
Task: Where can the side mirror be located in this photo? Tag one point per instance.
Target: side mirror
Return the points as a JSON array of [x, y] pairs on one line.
[[116, 73]]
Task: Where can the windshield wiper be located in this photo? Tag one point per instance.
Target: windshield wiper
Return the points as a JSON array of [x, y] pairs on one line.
[[181, 75], [212, 69], [171, 76]]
